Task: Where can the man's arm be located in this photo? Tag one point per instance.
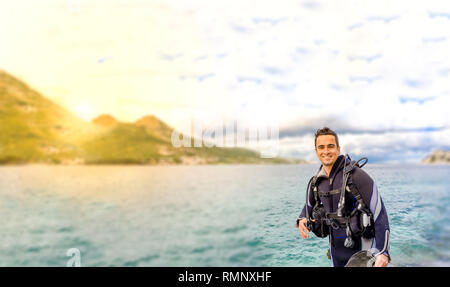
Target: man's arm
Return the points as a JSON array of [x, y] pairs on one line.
[[372, 198]]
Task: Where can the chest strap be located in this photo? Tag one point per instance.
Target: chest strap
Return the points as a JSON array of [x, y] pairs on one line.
[[335, 221], [329, 193]]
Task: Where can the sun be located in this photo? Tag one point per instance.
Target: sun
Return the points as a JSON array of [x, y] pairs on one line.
[[84, 111]]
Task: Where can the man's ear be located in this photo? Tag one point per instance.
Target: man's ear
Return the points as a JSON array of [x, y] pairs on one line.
[[339, 149]]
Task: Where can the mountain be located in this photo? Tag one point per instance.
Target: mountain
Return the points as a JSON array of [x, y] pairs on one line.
[[105, 121], [33, 129], [438, 156], [148, 141], [124, 143]]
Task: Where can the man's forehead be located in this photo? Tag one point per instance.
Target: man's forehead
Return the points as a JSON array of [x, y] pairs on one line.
[[326, 139]]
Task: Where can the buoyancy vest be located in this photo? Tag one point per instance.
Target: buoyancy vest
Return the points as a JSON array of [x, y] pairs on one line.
[[359, 222]]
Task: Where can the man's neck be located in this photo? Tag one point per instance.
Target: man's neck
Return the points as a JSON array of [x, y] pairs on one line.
[[327, 169]]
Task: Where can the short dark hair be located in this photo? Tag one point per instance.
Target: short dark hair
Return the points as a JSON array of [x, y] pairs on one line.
[[325, 131]]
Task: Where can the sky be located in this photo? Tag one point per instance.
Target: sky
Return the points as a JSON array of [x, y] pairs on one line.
[[377, 72]]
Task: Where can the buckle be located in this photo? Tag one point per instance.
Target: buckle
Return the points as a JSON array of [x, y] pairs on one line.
[[333, 224]]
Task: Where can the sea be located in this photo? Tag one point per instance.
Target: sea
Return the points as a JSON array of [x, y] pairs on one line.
[[206, 215]]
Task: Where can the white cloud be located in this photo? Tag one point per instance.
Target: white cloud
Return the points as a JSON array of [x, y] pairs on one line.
[[390, 146]]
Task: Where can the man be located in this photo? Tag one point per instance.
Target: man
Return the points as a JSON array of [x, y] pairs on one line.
[[328, 183]]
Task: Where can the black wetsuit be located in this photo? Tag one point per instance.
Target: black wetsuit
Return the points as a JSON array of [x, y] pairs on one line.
[[372, 199]]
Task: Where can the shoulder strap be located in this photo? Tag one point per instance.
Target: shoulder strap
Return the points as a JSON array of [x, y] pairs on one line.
[[315, 191], [355, 192], [311, 185], [351, 187], [347, 171]]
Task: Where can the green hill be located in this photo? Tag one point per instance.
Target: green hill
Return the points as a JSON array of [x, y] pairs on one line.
[[148, 141], [33, 129]]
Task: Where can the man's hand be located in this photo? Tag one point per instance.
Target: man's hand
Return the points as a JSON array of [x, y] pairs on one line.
[[302, 228], [382, 261]]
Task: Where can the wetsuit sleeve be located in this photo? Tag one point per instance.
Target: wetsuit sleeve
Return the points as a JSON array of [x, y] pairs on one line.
[[308, 205], [372, 198]]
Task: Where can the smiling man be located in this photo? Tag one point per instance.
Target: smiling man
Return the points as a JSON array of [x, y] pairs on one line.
[[344, 204]]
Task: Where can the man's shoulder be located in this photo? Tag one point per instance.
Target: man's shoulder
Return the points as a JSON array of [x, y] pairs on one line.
[[360, 176]]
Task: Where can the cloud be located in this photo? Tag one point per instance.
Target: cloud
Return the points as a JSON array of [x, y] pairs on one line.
[[301, 50], [273, 71], [415, 83], [341, 126], [205, 76], [368, 59], [444, 72], [200, 58], [285, 87], [384, 19], [310, 125], [240, 28], [103, 59], [241, 79], [434, 40], [394, 146], [318, 42], [170, 57], [439, 15], [366, 79], [355, 26], [312, 5], [405, 146], [420, 101], [221, 55], [337, 87], [266, 20], [199, 78]]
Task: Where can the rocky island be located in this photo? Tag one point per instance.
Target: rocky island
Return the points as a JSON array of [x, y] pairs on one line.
[[438, 157]]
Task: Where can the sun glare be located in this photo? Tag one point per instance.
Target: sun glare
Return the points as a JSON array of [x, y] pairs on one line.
[[84, 111]]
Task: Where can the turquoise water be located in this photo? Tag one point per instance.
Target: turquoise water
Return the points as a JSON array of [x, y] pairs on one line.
[[240, 215]]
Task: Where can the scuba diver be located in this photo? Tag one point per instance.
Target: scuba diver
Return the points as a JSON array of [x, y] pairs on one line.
[[343, 203]]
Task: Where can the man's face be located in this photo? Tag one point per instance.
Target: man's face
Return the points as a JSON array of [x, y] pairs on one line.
[[326, 149]]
